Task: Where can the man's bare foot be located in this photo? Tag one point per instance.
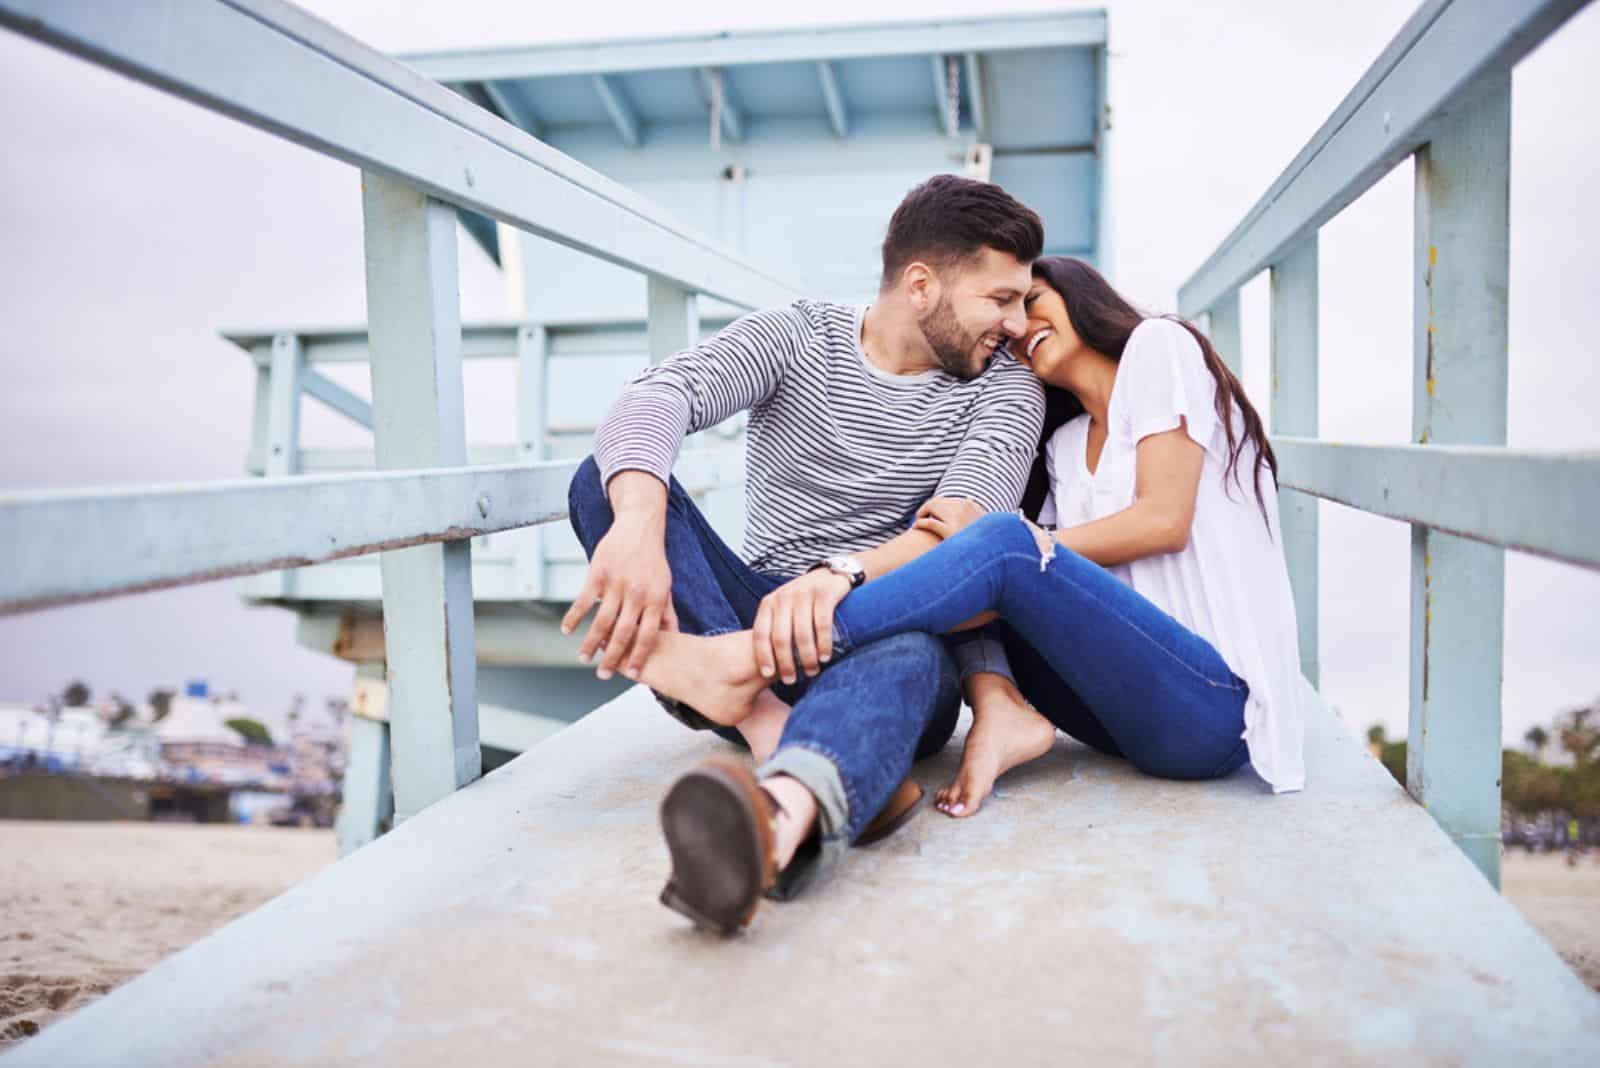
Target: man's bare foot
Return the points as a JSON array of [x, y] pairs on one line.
[[1006, 731], [717, 676]]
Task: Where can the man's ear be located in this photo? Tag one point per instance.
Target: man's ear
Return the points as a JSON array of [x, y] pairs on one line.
[[921, 286]]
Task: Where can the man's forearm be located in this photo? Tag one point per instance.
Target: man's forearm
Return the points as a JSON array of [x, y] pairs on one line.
[[638, 498], [642, 432]]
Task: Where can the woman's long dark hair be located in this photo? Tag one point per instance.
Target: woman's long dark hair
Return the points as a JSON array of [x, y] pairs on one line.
[[1105, 321]]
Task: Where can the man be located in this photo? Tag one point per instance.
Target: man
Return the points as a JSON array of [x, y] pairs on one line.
[[858, 417]]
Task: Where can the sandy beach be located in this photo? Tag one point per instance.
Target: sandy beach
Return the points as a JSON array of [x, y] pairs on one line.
[[87, 906], [1562, 902]]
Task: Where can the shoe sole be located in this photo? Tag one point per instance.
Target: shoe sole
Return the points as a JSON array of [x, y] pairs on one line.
[[714, 820]]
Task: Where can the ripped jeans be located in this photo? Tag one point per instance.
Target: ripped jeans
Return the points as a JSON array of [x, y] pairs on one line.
[[1096, 658]]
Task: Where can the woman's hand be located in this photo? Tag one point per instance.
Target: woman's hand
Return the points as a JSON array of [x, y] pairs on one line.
[[945, 516]]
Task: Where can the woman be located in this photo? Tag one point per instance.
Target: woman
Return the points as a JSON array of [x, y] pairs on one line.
[[1155, 623]]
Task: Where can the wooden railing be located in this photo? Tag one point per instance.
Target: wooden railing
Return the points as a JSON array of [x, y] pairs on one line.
[[1440, 94], [423, 152]]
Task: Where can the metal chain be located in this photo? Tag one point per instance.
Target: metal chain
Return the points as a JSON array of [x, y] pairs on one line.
[[953, 73], [716, 110]]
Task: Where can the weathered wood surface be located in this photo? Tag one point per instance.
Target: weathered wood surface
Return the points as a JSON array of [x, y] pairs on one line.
[[1086, 915]]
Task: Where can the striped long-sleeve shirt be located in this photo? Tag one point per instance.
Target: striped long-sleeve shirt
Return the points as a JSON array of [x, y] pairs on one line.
[[839, 454]]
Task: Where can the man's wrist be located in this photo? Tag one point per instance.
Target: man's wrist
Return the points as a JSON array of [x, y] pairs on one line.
[[637, 499], [847, 567]]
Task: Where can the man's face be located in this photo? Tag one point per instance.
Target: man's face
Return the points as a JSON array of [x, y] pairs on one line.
[[979, 309]]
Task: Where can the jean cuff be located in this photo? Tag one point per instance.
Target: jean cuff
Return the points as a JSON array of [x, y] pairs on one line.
[[821, 776], [842, 644], [981, 653]]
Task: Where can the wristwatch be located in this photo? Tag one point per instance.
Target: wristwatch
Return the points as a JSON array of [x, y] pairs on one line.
[[848, 566]]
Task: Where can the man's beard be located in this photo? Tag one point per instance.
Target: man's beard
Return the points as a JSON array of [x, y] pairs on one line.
[[951, 346]]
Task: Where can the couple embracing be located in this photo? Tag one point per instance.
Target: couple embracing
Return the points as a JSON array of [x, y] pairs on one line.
[[999, 481]]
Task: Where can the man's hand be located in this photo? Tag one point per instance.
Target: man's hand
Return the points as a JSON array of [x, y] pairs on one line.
[[946, 516], [798, 613], [631, 582]]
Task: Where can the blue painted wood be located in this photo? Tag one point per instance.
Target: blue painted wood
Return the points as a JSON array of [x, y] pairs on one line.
[[283, 421], [833, 100], [507, 100], [368, 798], [1462, 261], [1065, 29], [285, 380], [1223, 329], [355, 408], [1040, 103], [1443, 55], [533, 397], [619, 108], [1535, 501], [674, 322], [1295, 303], [972, 65], [946, 106], [720, 98], [419, 422]]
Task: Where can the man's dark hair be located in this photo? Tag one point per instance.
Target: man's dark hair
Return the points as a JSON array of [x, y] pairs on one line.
[[948, 219]]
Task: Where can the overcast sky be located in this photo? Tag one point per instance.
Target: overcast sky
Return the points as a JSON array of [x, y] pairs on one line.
[[133, 226]]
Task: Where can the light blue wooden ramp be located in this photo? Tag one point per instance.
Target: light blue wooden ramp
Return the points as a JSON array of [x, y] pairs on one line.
[[1087, 915]]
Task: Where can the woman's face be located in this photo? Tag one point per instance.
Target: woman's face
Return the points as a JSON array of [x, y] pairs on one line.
[[1050, 344]]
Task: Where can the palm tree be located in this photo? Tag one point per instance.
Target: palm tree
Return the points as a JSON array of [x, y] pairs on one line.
[[1537, 738], [1579, 737], [160, 704]]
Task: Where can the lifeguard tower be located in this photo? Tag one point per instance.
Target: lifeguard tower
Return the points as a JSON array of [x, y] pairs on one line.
[[790, 147]]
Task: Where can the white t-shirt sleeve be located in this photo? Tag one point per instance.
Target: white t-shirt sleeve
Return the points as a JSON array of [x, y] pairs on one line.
[[1165, 383]]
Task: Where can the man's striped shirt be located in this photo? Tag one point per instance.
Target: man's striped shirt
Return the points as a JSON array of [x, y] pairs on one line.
[[839, 454]]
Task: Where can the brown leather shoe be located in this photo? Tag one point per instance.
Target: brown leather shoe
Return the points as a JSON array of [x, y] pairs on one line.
[[720, 827], [897, 812]]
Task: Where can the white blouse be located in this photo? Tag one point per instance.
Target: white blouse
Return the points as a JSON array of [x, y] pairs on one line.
[[1230, 584]]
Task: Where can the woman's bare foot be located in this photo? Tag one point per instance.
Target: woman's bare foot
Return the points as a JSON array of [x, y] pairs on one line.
[[717, 676], [1006, 731]]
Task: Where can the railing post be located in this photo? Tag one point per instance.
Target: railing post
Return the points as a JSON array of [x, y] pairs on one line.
[[418, 420], [368, 794], [1294, 412], [283, 406], [674, 322], [532, 404], [1223, 327], [1459, 397], [281, 453]]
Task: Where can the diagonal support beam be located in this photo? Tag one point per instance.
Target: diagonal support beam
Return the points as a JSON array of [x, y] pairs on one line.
[[511, 106], [833, 98], [348, 404], [621, 112], [732, 121], [949, 118]]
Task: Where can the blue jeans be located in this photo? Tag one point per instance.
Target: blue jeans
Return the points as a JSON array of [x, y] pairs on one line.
[[855, 728], [1097, 659]]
